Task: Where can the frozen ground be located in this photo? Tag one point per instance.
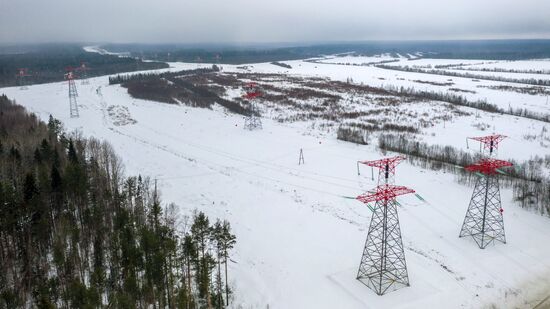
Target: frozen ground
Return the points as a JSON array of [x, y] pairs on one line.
[[359, 60], [535, 65], [299, 241]]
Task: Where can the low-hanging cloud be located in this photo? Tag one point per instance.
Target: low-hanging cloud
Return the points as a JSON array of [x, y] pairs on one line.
[[234, 21]]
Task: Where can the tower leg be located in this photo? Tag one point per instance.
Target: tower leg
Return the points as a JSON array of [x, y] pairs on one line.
[[73, 106], [483, 220], [383, 268], [253, 121]]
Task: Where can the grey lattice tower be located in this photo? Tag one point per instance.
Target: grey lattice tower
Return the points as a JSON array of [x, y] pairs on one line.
[[484, 219], [253, 120], [73, 94], [83, 70], [383, 267]]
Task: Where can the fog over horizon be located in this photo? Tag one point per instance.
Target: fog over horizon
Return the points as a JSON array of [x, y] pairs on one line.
[[238, 21]]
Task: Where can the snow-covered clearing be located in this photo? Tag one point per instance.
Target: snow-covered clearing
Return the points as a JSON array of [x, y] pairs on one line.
[[360, 60], [299, 241], [523, 65]]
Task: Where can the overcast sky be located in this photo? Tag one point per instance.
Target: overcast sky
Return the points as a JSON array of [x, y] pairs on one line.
[[234, 21]]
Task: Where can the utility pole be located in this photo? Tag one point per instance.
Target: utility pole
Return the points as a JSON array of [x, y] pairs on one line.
[[301, 158]]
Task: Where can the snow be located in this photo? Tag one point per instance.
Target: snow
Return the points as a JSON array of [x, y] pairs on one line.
[[358, 60], [536, 65], [382, 77], [101, 51], [299, 242]]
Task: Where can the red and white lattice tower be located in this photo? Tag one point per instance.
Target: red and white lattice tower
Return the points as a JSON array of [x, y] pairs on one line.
[[383, 267], [484, 218], [21, 76], [83, 72], [252, 121], [73, 94]]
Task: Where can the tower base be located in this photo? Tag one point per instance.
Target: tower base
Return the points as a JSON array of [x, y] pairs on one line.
[[383, 268], [483, 221]]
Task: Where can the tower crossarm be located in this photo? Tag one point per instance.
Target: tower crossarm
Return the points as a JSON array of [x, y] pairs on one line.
[[384, 193], [490, 142], [488, 166], [22, 72], [382, 163], [252, 91], [83, 67]]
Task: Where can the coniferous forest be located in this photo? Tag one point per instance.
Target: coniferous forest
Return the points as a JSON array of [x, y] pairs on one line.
[[76, 233]]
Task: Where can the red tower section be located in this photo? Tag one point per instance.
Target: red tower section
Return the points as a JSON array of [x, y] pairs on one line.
[[488, 166], [386, 168], [252, 91], [490, 143]]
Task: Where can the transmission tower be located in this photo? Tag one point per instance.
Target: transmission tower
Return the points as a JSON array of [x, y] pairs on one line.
[[253, 120], [83, 70], [73, 106], [383, 267], [21, 78], [484, 217]]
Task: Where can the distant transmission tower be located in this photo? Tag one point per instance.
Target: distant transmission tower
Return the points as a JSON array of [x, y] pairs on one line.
[[21, 78], [83, 70], [386, 168], [484, 217], [253, 120], [383, 267], [73, 106], [489, 144]]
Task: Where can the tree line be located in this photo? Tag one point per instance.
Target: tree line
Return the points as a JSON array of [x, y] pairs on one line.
[[76, 233], [124, 78], [46, 65], [461, 100], [180, 88], [528, 81]]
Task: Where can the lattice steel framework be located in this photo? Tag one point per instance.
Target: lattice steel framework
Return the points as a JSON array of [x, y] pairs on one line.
[[73, 93], [489, 143], [253, 120], [484, 218], [386, 168], [383, 267], [83, 70], [21, 75]]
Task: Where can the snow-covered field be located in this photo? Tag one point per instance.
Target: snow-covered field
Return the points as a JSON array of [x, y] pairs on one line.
[[524, 65], [359, 60], [299, 241]]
